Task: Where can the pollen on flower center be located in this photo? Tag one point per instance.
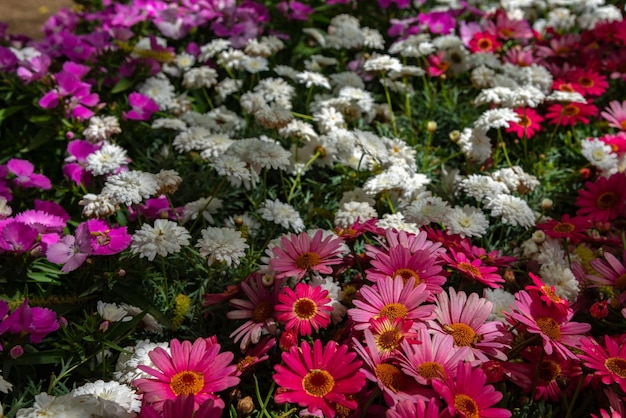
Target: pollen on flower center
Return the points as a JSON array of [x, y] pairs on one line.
[[607, 200], [485, 44], [570, 110], [525, 121], [620, 283], [318, 383], [263, 311], [551, 294], [549, 370], [470, 269], [430, 369], [307, 260], [586, 82], [389, 340], [466, 405], [305, 308], [563, 227], [394, 311], [622, 125], [462, 333], [390, 376], [616, 365], [245, 362], [549, 327], [187, 383], [406, 274]]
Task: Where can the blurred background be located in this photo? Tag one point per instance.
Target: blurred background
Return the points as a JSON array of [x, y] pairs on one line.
[[27, 16]]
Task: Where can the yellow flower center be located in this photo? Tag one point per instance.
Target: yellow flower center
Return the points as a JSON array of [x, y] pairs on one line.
[[304, 308], [607, 200], [390, 376], [466, 406], [430, 370], [549, 370], [462, 333], [469, 269], [563, 227], [485, 44], [570, 110], [620, 283], [187, 383], [549, 327], [551, 294], [318, 383], [406, 274], [263, 311], [394, 311], [307, 260], [245, 362], [388, 340], [616, 365]]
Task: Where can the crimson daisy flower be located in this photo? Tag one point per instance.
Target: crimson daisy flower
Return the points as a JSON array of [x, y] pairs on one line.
[[191, 369], [554, 374], [393, 298], [389, 333], [484, 42], [410, 409], [302, 253], [571, 113], [615, 114], [305, 309], [465, 318], [528, 125], [608, 362], [182, 407], [468, 395], [604, 199], [319, 378], [547, 294], [612, 274], [556, 331], [573, 228], [473, 269], [588, 81]]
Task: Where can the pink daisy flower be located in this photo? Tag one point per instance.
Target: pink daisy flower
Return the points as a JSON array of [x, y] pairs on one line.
[[302, 253], [570, 114], [258, 309], [473, 269], [608, 362], [389, 333], [603, 200], [305, 309], [615, 114], [191, 369], [588, 81], [182, 407], [319, 378], [612, 274], [528, 125], [547, 294], [574, 228], [555, 374], [410, 409], [465, 318], [435, 357], [468, 395], [556, 330], [394, 299], [400, 262]]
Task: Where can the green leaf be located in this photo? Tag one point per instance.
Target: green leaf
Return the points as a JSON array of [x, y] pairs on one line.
[[6, 112], [41, 357], [123, 84]]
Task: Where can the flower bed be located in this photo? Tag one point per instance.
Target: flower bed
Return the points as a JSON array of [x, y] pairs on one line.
[[350, 208]]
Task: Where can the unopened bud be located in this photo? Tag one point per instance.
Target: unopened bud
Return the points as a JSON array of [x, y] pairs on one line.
[[546, 204], [431, 126], [455, 136], [287, 340], [599, 310], [539, 237], [245, 407], [16, 351]]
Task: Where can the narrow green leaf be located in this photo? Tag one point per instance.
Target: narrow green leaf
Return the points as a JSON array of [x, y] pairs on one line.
[[122, 85]]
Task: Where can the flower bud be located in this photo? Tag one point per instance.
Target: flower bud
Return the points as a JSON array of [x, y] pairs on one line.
[[245, 407], [599, 310], [494, 371], [431, 126], [546, 204], [16, 351], [287, 340]]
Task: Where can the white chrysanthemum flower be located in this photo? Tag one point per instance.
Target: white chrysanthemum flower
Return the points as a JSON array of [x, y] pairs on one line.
[[160, 89], [231, 58], [192, 138], [334, 293], [526, 96], [561, 19], [130, 187], [599, 154], [5, 209], [286, 71], [345, 79], [495, 95], [183, 60], [213, 48], [400, 152], [372, 38], [382, 62], [168, 181], [361, 97], [169, 123], [475, 144], [396, 221], [515, 179], [496, 119], [275, 90], [113, 391], [111, 312], [101, 128], [215, 145], [467, 221], [566, 96], [479, 187], [107, 159], [222, 244], [5, 387], [282, 214], [328, 119], [233, 168], [97, 206], [511, 209], [551, 251], [357, 194], [602, 14], [310, 79], [126, 370], [66, 406], [372, 145], [349, 212], [561, 277], [199, 77], [228, 86], [426, 210], [164, 238], [298, 129], [148, 321], [502, 301], [208, 206], [255, 65]]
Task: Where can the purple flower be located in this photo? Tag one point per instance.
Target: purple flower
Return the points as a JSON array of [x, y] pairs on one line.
[[106, 240], [402, 4], [294, 10], [142, 107], [34, 69], [38, 322], [8, 60], [441, 23], [52, 208], [71, 251], [78, 151], [25, 175], [17, 237], [70, 86]]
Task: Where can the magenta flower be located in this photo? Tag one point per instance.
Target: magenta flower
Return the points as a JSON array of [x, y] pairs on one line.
[[305, 309], [71, 251], [17, 237], [107, 240], [294, 10], [76, 94], [34, 68], [142, 107], [25, 175], [37, 322], [183, 407], [78, 151]]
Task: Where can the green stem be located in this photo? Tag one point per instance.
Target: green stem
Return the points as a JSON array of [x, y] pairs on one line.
[[298, 175], [391, 115], [570, 407]]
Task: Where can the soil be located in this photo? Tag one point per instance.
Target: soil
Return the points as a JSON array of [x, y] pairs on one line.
[[26, 17]]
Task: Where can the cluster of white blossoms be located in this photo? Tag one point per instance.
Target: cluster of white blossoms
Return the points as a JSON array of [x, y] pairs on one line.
[[602, 156]]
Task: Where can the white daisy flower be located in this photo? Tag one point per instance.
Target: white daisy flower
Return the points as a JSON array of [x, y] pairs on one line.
[[479, 187], [310, 79], [396, 221], [561, 277], [160, 89], [199, 77], [349, 212], [511, 209], [97, 206], [107, 159], [222, 244], [164, 238], [382, 62], [467, 221], [599, 154], [426, 210], [282, 214], [66, 406], [119, 393], [496, 119], [130, 187], [207, 206], [126, 369], [111, 312], [101, 128], [502, 301]]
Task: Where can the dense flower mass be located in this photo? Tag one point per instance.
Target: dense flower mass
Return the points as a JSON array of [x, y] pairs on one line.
[[373, 208]]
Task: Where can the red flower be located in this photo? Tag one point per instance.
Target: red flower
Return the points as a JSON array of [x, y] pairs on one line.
[[484, 42], [473, 269], [528, 125], [305, 309], [589, 82], [570, 113], [604, 199], [572, 228]]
